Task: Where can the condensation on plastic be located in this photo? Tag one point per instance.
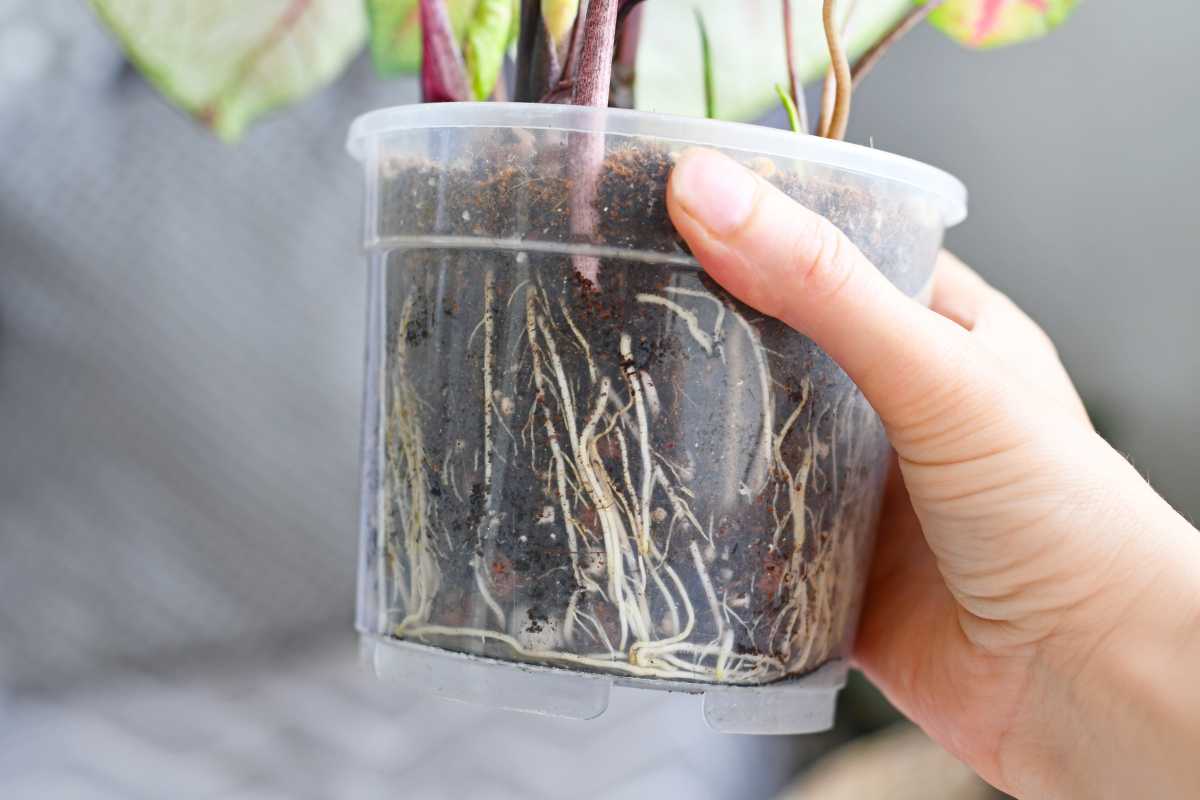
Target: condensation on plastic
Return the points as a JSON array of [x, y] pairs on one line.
[[436, 253]]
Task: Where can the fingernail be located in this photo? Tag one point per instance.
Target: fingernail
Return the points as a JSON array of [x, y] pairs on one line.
[[714, 190]]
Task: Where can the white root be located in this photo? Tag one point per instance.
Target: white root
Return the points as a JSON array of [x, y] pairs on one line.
[[639, 407], [481, 584], [489, 335], [714, 605], [681, 507], [409, 490], [630, 616], [607, 661], [796, 483], [560, 472], [689, 317], [758, 472], [579, 337], [600, 497], [651, 393], [566, 398], [723, 654], [718, 332]]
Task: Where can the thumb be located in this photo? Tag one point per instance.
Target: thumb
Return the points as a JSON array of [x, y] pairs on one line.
[[1013, 494], [793, 264]]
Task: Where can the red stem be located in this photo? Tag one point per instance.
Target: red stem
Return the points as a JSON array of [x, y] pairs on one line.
[[443, 73], [594, 72], [533, 77], [797, 91], [912, 19]]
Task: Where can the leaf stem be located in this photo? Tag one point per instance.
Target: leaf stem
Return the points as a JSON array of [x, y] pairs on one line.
[[443, 72], [593, 74], [912, 19], [840, 66], [794, 86], [790, 106], [532, 79]]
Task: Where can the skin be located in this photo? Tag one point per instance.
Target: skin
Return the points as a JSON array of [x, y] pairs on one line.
[[1034, 605]]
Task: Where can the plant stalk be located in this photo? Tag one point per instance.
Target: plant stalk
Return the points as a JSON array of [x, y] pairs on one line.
[[593, 74], [795, 88], [443, 72], [829, 86], [533, 67], [912, 19], [839, 64], [793, 113], [592, 82]]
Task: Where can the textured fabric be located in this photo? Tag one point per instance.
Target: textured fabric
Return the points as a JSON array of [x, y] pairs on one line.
[[181, 325], [180, 358], [312, 726]]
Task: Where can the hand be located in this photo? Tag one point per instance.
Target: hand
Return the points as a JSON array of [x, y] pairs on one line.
[[1033, 604]]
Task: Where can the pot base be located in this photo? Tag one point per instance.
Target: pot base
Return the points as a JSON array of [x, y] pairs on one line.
[[803, 704]]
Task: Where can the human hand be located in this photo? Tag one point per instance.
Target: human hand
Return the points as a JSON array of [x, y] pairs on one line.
[[1033, 604]]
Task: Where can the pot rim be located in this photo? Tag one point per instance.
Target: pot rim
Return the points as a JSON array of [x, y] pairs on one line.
[[947, 192]]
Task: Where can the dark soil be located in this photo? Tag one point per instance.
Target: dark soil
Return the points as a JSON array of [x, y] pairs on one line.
[[710, 418]]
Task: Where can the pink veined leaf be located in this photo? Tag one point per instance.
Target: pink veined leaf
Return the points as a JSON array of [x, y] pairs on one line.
[[995, 23], [443, 72], [228, 63]]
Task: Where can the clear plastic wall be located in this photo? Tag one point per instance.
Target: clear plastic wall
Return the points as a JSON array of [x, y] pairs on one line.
[[580, 452]]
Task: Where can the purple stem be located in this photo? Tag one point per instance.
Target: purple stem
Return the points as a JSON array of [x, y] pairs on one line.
[[912, 19], [562, 91], [593, 77], [443, 73], [794, 86], [538, 68], [594, 71]]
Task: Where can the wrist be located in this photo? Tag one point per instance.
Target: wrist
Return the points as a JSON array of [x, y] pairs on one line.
[[1114, 703]]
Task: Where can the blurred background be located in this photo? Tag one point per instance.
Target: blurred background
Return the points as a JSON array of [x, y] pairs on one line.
[[181, 328]]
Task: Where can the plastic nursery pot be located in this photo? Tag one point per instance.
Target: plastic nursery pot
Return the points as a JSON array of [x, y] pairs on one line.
[[586, 464]]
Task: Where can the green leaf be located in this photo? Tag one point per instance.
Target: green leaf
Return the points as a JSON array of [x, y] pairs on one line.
[[487, 39], [746, 39], [994, 23], [396, 32], [228, 62]]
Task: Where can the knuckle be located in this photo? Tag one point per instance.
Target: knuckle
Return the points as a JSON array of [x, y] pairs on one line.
[[1042, 339], [1026, 326], [824, 258], [934, 389], [756, 220]]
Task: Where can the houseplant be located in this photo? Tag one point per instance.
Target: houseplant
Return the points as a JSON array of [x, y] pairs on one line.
[[579, 452]]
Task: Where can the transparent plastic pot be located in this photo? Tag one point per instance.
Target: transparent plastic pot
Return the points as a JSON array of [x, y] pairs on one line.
[[584, 464]]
